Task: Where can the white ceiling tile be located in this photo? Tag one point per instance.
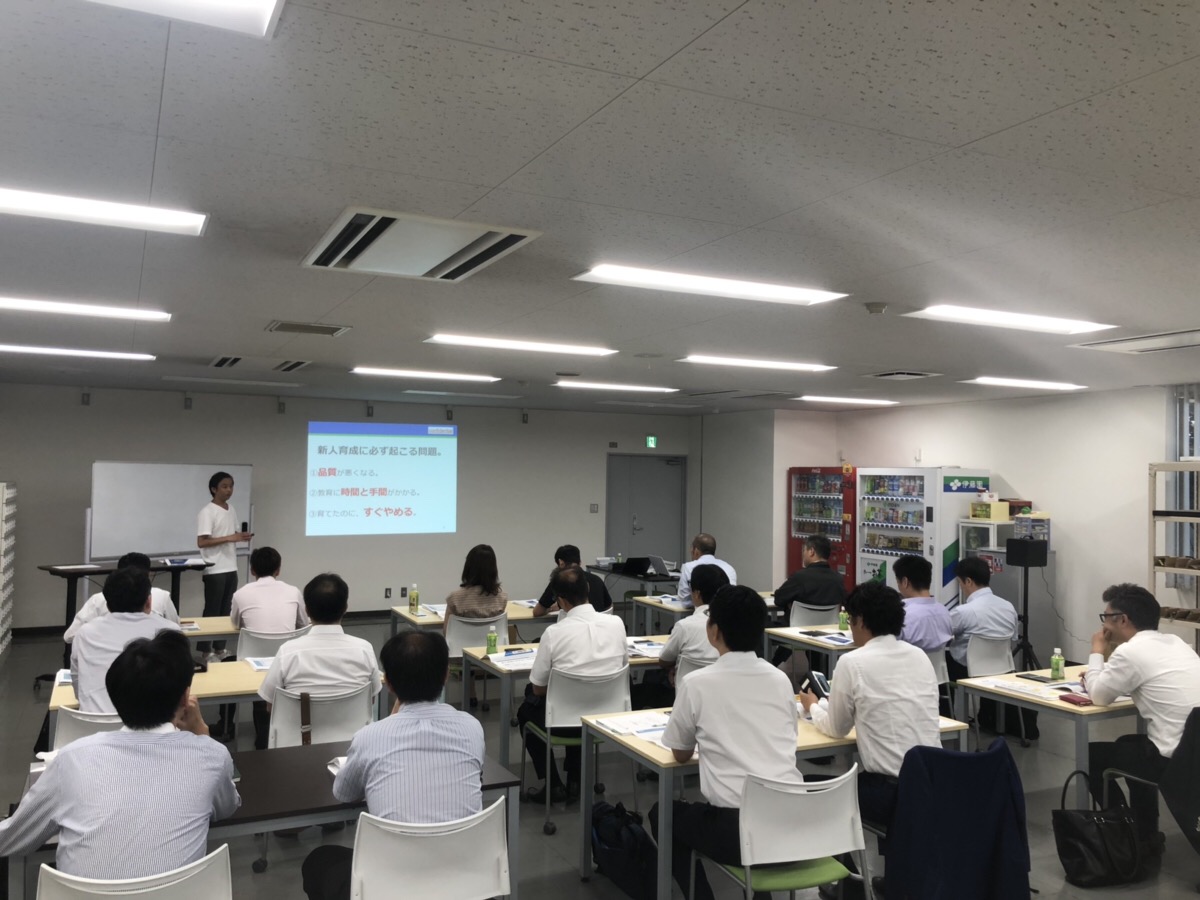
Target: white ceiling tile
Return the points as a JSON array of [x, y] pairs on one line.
[[942, 70], [625, 36], [105, 66], [1146, 130], [961, 201], [357, 93], [681, 153]]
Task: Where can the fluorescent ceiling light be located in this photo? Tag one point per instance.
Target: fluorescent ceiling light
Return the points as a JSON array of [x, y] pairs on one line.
[[256, 17], [856, 401], [756, 363], [705, 285], [241, 382], [462, 340], [646, 404], [101, 212], [61, 351], [20, 304], [998, 319], [460, 394], [1023, 383], [418, 373], [605, 386]]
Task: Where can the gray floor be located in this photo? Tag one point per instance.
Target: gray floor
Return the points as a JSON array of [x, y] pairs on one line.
[[548, 864]]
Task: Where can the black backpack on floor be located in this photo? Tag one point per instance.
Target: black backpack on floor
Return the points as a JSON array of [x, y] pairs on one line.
[[624, 852]]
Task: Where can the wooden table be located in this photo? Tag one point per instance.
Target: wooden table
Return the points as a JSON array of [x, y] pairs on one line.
[[477, 656], [1042, 698], [648, 605], [797, 639], [809, 743], [224, 682], [518, 614], [290, 787], [210, 627]]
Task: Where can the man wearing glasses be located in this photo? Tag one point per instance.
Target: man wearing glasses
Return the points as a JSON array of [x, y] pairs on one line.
[[1162, 675]]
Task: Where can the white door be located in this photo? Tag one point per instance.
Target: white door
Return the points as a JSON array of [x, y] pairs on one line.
[[646, 498]]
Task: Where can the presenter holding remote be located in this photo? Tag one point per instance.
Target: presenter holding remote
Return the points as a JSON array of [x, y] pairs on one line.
[[217, 532]]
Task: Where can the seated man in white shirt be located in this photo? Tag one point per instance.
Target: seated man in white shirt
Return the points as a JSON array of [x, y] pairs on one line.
[[1162, 675], [704, 548], [267, 606], [160, 600], [689, 636], [422, 764], [739, 714], [326, 660], [134, 802], [886, 690], [979, 612], [582, 642], [100, 641]]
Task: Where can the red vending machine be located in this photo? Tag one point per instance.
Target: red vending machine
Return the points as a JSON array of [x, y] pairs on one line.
[[821, 500]]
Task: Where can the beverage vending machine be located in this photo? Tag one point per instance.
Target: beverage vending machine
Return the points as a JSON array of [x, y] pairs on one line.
[[821, 500]]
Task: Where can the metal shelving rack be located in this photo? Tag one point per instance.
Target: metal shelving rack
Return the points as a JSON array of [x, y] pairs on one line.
[[8, 540], [1170, 516]]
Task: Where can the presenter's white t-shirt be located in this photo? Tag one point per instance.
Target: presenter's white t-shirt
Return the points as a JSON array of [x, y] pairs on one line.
[[217, 522]]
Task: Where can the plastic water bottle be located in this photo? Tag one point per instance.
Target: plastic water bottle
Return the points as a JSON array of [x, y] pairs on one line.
[[493, 641], [843, 620], [1056, 666], [414, 600]]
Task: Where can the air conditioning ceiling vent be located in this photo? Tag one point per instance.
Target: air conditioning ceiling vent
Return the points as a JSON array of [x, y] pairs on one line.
[[314, 328], [1147, 343], [377, 242]]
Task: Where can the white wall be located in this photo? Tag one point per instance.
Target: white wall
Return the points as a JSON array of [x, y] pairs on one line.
[[525, 489], [801, 439], [1083, 458]]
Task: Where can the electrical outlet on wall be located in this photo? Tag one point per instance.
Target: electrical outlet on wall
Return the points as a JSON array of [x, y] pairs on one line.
[[387, 593], [595, 508]]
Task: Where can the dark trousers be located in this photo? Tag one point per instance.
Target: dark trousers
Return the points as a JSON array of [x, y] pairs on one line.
[[1137, 755], [262, 725], [711, 830], [326, 873], [876, 797], [218, 600], [533, 712]]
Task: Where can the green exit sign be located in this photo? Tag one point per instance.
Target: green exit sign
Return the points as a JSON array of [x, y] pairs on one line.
[[652, 442]]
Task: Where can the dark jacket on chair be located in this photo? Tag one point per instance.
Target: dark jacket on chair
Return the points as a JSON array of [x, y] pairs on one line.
[[1179, 785], [959, 827]]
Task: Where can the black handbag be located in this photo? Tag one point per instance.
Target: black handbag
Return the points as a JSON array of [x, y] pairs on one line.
[[1097, 847]]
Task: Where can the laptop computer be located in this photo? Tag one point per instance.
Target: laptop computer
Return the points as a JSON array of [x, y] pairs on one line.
[[635, 565], [658, 567]]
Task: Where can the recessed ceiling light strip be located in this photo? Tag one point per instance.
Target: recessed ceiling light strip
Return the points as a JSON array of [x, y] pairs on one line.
[[65, 351], [463, 340], [705, 285], [1000, 319], [420, 373], [101, 212], [756, 363], [606, 386], [22, 304], [853, 401], [1025, 383]]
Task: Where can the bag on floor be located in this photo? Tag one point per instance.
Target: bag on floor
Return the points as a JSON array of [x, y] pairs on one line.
[[623, 851], [1097, 847]]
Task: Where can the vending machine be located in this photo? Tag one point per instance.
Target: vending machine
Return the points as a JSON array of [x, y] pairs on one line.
[[821, 501], [914, 511]]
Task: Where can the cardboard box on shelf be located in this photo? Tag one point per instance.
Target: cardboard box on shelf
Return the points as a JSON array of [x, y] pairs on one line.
[[986, 509]]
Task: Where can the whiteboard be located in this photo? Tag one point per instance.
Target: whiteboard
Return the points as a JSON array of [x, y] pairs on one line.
[[151, 508]]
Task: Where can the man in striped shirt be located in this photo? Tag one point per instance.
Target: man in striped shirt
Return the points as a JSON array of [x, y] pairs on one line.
[[422, 764], [134, 802]]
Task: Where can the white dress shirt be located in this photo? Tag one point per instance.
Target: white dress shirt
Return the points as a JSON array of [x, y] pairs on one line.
[[324, 661], [422, 764], [269, 606], [126, 804], [95, 647], [684, 591], [740, 713], [689, 637], [1162, 675], [216, 521], [887, 692], [581, 642], [97, 606], [982, 613]]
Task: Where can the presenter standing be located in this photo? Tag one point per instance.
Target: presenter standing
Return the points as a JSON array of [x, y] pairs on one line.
[[217, 531]]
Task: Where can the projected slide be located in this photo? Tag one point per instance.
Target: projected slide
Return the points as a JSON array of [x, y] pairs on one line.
[[367, 478]]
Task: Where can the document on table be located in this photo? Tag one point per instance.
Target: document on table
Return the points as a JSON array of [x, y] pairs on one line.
[[185, 625], [513, 660], [260, 663], [529, 604], [335, 764], [78, 568], [672, 602], [438, 609], [837, 639], [645, 649], [631, 724], [62, 676]]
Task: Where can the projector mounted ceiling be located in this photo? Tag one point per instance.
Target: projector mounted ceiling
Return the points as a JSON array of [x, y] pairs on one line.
[[1147, 343], [377, 242]]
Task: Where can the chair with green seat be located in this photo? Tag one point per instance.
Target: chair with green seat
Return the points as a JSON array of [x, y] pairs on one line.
[[791, 832], [568, 697]]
